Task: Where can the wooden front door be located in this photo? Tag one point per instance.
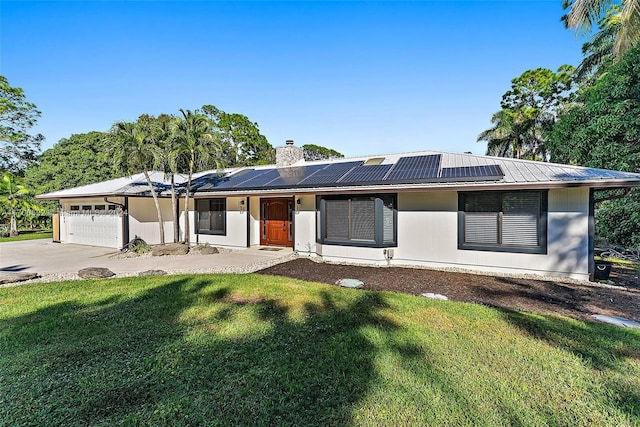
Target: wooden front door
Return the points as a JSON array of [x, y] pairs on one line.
[[276, 222]]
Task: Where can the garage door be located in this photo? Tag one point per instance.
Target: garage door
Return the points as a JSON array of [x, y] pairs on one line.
[[94, 229]]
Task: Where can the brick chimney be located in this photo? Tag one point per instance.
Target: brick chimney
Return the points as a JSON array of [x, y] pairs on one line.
[[288, 154]]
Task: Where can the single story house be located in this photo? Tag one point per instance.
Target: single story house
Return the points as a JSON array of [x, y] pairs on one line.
[[428, 208]]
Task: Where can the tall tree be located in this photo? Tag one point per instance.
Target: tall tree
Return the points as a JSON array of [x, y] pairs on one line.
[[533, 102], [243, 144], [17, 116], [135, 150], [197, 146], [583, 14], [602, 130], [318, 152], [80, 159]]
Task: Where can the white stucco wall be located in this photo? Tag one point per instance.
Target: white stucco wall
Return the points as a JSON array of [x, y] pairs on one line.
[[143, 220], [428, 236], [304, 221], [236, 221]]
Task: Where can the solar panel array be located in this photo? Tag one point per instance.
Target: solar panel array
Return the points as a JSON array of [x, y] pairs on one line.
[[407, 170], [472, 173], [329, 175], [366, 174]]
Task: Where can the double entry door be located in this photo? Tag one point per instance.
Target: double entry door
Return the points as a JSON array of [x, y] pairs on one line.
[[276, 222]]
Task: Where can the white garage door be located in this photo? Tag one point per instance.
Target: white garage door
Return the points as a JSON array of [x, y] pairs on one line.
[[94, 229]]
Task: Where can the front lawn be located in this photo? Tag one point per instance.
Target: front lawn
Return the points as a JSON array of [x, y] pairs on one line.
[[28, 235], [262, 350]]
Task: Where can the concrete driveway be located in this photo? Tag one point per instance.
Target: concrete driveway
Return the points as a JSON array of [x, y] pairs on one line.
[[64, 260]]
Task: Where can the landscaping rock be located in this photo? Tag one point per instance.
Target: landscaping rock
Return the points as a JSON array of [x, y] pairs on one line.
[[6, 277], [350, 283], [434, 296], [616, 320], [95, 273], [204, 250], [170, 249], [153, 273]]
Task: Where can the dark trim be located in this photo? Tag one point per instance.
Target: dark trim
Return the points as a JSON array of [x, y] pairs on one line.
[[378, 222], [197, 217], [542, 227], [248, 213], [591, 233], [125, 222]]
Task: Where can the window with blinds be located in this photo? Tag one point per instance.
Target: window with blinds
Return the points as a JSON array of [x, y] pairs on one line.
[[357, 221], [211, 216], [503, 221]]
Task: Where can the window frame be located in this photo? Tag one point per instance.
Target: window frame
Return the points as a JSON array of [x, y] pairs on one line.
[[378, 242], [542, 224], [221, 232]]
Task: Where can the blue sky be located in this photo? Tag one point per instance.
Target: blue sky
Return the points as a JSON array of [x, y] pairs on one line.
[[360, 77]]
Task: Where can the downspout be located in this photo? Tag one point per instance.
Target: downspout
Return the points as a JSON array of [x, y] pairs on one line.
[[125, 219], [591, 233]]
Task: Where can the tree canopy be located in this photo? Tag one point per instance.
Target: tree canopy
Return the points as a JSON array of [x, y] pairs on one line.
[[318, 152], [529, 109], [602, 130], [78, 160], [584, 13], [17, 116]]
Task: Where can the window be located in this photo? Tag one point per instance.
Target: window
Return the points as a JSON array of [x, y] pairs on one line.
[[357, 221], [211, 216], [75, 207], [112, 207], [86, 207], [503, 221], [99, 207]]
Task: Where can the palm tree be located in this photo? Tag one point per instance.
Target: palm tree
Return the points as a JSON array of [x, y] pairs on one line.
[[164, 127], [599, 51], [136, 151], [584, 13], [15, 197], [196, 147], [504, 139]]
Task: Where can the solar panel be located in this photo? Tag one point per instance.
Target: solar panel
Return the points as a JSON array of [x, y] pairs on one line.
[[472, 173], [329, 175], [292, 176], [409, 169], [366, 174], [238, 178], [259, 180]]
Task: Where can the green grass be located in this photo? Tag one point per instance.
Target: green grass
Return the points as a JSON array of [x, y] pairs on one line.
[[26, 235], [258, 350]]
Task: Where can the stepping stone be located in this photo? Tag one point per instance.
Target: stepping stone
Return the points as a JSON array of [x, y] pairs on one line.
[[617, 321], [95, 273], [10, 277], [350, 283], [435, 296], [153, 273]]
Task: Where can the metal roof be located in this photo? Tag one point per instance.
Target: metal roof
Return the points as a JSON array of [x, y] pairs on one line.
[[299, 178]]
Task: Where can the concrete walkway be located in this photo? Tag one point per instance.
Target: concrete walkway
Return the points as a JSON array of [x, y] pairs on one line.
[[62, 261]]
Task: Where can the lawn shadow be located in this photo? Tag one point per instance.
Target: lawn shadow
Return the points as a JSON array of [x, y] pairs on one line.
[[601, 346], [135, 360]]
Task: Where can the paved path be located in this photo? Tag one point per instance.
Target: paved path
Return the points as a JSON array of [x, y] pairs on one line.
[[56, 259]]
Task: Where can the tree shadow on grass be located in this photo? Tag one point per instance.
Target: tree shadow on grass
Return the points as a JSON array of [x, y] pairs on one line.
[[137, 361], [603, 347]]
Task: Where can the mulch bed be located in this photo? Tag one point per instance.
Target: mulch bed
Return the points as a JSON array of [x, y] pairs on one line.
[[570, 299]]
